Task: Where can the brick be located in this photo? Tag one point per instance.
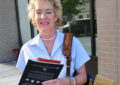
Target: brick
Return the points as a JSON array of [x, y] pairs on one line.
[[111, 76], [108, 60], [111, 44], [107, 65], [105, 3], [108, 21], [118, 13], [8, 30]]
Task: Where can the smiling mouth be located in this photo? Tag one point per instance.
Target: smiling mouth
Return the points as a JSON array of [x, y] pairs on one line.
[[44, 23]]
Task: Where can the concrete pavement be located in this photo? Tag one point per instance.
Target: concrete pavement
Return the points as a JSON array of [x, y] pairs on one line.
[[9, 74]]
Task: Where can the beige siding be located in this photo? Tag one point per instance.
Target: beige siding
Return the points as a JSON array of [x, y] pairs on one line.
[[8, 30], [108, 23], [118, 41]]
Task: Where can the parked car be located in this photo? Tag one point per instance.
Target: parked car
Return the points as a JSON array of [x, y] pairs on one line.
[[78, 27]]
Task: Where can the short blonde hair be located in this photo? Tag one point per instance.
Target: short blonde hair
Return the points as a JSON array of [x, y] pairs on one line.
[[31, 9]]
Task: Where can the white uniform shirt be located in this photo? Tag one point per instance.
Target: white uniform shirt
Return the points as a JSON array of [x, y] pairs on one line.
[[35, 48]]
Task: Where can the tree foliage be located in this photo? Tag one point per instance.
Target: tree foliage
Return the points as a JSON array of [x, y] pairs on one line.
[[72, 7]]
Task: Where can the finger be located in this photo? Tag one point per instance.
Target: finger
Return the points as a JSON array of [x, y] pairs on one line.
[[51, 82]]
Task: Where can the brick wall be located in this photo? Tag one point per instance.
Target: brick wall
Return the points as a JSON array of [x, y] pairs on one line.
[[118, 41], [8, 30], [108, 22]]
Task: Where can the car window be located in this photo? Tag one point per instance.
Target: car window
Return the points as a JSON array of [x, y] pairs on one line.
[[74, 23]]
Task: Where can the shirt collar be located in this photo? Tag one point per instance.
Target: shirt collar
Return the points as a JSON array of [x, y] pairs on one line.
[[35, 40], [58, 41]]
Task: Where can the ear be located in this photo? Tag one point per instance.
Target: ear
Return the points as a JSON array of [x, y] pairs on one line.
[[56, 18]]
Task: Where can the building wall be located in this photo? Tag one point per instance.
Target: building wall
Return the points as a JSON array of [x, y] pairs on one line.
[[85, 12], [108, 23], [118, 32], [8, 30]]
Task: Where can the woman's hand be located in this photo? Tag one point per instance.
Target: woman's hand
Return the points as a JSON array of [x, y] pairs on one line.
[[81, 79], [59, 81]]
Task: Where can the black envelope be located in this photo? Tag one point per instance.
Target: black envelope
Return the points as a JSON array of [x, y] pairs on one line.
[[37, 72]]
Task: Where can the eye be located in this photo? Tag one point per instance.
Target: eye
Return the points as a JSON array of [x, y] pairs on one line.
[[38, 12], [48, 12]]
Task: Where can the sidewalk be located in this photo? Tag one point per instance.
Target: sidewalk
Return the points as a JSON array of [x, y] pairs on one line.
[[9, 74]]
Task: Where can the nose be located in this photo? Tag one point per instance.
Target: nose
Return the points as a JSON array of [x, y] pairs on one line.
[[43, 15]]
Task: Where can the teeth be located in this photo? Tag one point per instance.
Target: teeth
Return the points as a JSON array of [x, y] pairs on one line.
[[44, 23]]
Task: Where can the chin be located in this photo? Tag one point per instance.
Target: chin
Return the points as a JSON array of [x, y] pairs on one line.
[[43, 28]]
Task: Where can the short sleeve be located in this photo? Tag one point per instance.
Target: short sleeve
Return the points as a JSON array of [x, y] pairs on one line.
[[21, 61], [79, 53]]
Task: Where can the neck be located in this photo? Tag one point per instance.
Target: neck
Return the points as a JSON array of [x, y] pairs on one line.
[[48, 35], [51, 38]]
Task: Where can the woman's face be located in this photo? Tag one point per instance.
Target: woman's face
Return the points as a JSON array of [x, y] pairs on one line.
[[45, 16]]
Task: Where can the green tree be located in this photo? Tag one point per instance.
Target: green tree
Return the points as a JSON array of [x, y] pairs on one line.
[[72, 7]]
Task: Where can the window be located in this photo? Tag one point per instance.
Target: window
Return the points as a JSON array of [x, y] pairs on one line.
[[80, 16], [81, 28], [88, 15]]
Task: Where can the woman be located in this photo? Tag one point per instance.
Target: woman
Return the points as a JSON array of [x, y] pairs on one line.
[[48, 43]]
